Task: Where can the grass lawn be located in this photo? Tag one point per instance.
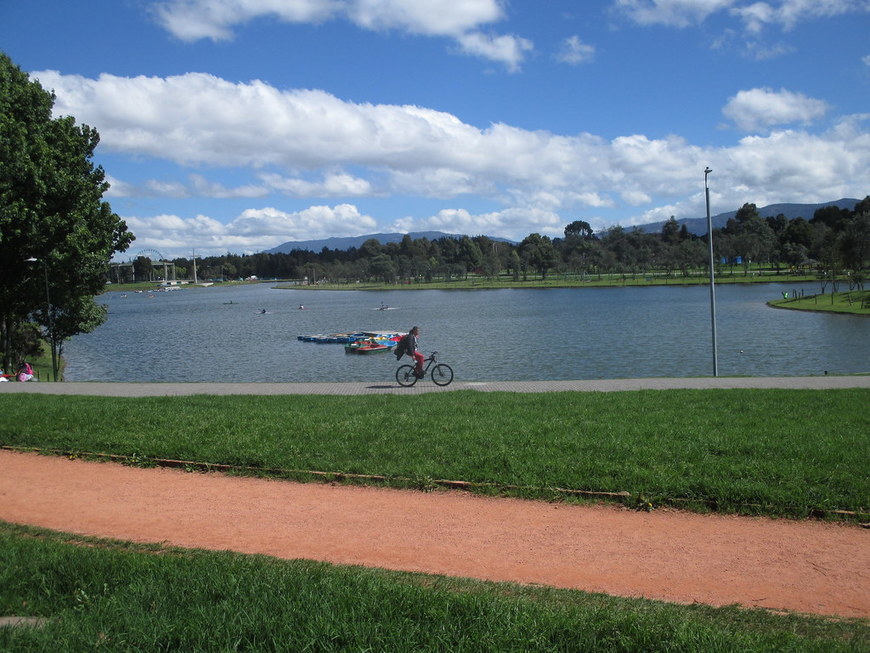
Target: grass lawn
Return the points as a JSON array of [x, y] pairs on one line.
[[855, 302], [103, 595], [778, 452]]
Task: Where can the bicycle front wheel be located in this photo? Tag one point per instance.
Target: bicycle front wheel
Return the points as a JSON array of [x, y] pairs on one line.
[[405, 375], [442, 374]]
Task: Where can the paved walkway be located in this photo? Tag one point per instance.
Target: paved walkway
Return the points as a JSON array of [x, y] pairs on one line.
[[386, 387]]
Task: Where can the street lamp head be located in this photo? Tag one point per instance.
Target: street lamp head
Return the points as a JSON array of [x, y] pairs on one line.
[[31, 260], [707, 170]]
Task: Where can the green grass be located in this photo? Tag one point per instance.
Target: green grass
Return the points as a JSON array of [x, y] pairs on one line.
[[554, 280], [106, 595], [854, 302], [778, 452]]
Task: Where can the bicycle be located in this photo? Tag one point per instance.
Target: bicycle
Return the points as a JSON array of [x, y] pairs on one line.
[[441, 374]]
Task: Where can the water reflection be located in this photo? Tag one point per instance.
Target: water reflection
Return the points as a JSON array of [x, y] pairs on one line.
[[221, 334]]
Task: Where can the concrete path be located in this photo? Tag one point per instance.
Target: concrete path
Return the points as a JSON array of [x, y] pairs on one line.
[[387, 387]]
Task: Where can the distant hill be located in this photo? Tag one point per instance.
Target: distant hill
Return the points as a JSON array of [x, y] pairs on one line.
[[356, 241], [698, 226]]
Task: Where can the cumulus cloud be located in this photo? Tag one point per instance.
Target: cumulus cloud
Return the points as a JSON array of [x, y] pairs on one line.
[[305, 144], [196, 186], [430, 17], [507, 49], [673, 13], [513, 222], [191, 20], [332, 185], [254, 230], [760, 108], [788, 13], [754, 15], [218, 123], [573, 51]]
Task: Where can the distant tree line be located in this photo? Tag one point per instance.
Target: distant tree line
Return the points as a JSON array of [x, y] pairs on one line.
[[832, 242]]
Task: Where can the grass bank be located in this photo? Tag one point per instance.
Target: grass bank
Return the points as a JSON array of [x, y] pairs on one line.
[[105, 595], [855, 302], [609, 280], [778, 452]]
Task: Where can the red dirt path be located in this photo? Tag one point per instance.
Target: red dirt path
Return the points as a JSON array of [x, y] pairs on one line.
[[810, 567]]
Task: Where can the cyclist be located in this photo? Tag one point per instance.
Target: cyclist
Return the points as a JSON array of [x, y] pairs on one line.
[[411, 350]]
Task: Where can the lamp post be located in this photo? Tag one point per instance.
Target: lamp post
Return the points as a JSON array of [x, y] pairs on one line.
[[707, 171], [48, 316]]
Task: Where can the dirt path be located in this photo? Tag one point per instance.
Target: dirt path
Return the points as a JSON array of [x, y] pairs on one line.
[[802, 566]]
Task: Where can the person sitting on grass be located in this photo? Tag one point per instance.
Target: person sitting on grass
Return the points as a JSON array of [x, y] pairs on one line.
[[25, 371]]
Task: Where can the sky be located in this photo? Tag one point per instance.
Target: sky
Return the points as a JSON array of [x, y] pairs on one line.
[[238, 125]]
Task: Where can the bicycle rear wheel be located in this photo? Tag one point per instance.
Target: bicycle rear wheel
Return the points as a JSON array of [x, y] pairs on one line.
[[442, 374], [405, 375]]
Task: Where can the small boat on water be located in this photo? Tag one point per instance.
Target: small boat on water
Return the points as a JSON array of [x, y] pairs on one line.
[[389, 338], [366, 347]]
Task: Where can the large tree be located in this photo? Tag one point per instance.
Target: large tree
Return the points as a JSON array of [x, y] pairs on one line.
[[57, 235]]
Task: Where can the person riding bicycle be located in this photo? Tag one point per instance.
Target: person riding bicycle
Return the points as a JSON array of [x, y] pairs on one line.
[[411, 350]]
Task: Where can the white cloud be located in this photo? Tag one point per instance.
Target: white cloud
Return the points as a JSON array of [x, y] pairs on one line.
[[332, 185], [439, 183], [156, 188], [760, 108], [204, 188], [514, 223], [431, 17], [573, 51], [509, 50], [749, 37], [788, 13], [313, 222], [197, 186], [254, 230], [785, 161], [673, 13], [191, 20], [306, 143], [119, 188], [754, 15]]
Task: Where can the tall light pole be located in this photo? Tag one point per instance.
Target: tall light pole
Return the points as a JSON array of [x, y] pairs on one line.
[[707, 171], [48, 316]]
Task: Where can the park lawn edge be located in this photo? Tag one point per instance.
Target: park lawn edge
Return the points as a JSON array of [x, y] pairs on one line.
[[85, 588]]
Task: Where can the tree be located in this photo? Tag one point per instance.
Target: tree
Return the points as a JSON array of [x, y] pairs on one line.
[[51, 210], [854, 240], [538, 252], [383, 268], [581, 229], [671, 231], [753, 238]]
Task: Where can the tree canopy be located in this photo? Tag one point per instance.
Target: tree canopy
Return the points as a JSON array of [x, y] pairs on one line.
[[57, 235], [801, 245]]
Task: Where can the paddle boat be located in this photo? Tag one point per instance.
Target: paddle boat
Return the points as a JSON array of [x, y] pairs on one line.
[[367, 347], [389, 338]]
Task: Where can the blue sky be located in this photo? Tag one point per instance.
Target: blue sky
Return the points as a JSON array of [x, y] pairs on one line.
[[237, 125]]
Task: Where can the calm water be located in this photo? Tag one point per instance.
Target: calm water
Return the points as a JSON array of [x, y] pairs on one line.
[[197, 335]]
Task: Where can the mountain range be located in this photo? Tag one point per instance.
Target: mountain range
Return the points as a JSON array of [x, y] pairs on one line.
[[696, 226], [347, 242]]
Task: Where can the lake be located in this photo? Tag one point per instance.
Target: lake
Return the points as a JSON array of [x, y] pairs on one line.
[[220, 334]]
